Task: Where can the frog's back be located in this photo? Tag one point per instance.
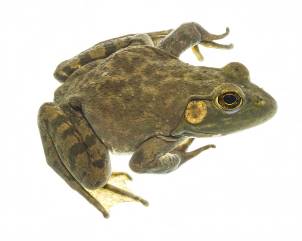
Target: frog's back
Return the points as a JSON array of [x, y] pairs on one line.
[[134, 94]]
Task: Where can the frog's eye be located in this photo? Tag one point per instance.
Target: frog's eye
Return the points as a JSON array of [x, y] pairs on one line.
[[229, 101]]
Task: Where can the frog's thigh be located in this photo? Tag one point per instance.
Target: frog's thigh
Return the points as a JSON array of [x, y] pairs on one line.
[[72, 148], [55, 162], [153, 156]]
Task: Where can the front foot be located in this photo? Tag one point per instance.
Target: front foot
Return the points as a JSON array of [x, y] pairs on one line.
[[207, 40], [163, 155], [190, 35], [181, 150], [114, 192]]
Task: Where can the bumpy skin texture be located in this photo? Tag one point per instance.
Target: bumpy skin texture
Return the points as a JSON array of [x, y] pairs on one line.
[[133, 94]]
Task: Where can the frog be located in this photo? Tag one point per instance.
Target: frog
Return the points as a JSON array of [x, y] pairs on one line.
[[133, 94]]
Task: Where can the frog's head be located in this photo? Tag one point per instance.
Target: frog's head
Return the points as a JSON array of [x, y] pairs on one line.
[[234, 104]]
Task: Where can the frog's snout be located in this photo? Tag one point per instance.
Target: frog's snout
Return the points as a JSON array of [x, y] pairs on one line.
[[267, 104]]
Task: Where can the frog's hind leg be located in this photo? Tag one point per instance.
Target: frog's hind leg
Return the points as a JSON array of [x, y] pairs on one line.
[[74, 151], [190, 35], [104, 49], [79, 158]]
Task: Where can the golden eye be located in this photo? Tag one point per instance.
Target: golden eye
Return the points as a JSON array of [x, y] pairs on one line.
[[229, 101]]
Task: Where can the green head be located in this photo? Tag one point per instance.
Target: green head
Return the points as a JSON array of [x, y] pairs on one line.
[[233, 104]]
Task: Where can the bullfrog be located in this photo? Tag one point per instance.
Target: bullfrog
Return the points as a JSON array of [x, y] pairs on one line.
[[132, 94]]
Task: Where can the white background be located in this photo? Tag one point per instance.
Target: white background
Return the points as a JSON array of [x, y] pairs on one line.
[[249, 188]]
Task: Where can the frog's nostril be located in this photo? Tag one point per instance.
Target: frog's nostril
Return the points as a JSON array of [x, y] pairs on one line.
[[259, 101]]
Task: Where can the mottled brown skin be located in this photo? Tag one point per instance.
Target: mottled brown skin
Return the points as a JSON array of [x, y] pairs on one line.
[[133, 94]]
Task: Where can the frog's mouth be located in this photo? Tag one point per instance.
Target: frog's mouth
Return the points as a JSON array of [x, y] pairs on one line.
[[189, 133], [204, 134]]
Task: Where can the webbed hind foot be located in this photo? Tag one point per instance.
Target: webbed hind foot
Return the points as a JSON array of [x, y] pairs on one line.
[[115, 192]]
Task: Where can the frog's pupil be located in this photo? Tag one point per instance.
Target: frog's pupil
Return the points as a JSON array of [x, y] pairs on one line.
[[229, 99]]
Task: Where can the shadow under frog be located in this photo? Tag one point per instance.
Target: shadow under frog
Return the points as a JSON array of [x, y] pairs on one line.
[[133, 94]]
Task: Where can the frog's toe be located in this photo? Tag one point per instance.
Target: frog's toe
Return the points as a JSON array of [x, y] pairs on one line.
[[220, 36], [184, 145], [125, 174], [197, 53], [189, 155], [126, 195], [212, 44], [180, 150], [211, 37]]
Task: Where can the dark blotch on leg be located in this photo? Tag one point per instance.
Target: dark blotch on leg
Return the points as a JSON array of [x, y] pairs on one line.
[[109, 48], [90, 140], [99, 163], [59, 120], [85, 58], [75, 150], [68, 132], [68, 70]]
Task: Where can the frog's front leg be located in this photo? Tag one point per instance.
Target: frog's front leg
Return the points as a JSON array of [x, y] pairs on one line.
[[190, 35], [162, 155], [74, 151]]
